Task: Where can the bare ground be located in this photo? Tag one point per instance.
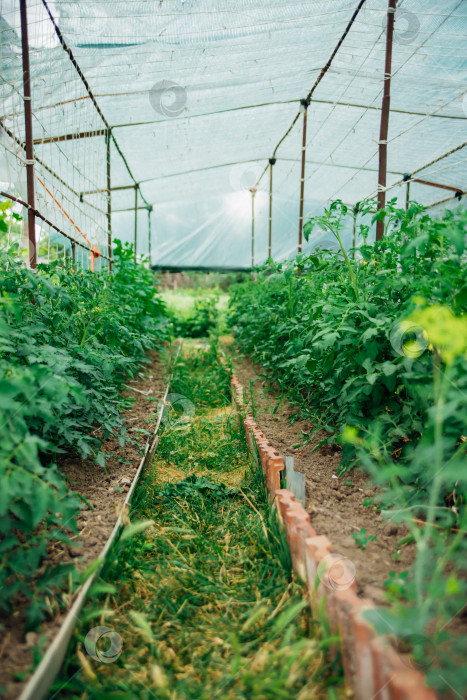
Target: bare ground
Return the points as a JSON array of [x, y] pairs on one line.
[[335, 504]]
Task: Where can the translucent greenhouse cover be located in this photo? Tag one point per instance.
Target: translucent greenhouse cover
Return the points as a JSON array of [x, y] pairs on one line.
[[199, 92]]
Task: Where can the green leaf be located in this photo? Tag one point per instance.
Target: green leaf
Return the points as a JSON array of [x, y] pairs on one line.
[[388, 368], [141, 622], [135, 528], [371, 378]]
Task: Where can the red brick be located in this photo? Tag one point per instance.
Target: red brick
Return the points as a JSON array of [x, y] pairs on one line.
[[339, 573], [387, 665], [410, 685], [320, 546], [363, 634], [344, 603]]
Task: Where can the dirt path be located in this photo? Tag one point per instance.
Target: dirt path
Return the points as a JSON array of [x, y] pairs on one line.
[[338, 506]]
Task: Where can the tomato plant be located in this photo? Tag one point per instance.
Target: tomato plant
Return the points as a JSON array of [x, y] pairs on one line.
[[374, 350], [67, 341]]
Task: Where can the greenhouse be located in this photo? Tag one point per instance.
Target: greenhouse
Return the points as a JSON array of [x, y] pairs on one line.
[[233, 349]]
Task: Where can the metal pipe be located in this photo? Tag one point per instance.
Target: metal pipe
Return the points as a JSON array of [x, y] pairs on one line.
[[71, 137], [140, 208], [136, 218], [304, 103], [383, 132], [109, 201], [337, 103], [354, 232], [458, 196], [407, 195], [149, 208], [436, 184], [28, 133], [253, 191], [271, 163], [114, 189]]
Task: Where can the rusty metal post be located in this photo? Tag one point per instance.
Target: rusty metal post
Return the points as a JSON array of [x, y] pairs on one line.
[[149, 208], [28, 134], [407, 195], [303, 106], [109, 200], [271, 163], [354, 232], [253, 191], [136, 218], [383, 132]]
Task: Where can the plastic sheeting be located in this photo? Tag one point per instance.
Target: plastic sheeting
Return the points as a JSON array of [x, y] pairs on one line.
[[199, 92]]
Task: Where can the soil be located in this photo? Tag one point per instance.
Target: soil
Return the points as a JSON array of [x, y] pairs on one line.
[[335, 504], [104, 490]]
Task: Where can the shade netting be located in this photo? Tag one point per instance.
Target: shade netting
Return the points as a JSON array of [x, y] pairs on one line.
[[199, 92]]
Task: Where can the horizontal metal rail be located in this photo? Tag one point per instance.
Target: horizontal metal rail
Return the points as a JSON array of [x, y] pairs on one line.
[[71, 137], [458, 195], [435, 184]]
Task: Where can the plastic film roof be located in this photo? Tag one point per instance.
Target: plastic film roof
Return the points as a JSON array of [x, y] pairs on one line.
[[199, 92]]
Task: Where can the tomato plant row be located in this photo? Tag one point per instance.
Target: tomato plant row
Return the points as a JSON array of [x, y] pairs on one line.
[[67, 343], [373, 348]]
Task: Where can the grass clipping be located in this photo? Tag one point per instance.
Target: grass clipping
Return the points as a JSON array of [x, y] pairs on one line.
[[204, 601]]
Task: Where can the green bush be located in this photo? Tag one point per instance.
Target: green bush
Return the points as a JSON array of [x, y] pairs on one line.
[[201, 321], [67, 343]]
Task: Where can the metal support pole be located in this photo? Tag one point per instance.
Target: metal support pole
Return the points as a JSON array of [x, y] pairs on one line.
[[149, 208], [271, 163], [73, 255], [383, 132], [304, 106], [109, 201], [28, 133], [354, 232], [407, 195], [253, 191], [136, 218]]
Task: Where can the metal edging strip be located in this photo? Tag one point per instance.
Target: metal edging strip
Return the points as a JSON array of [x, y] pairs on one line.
[[44, 675]]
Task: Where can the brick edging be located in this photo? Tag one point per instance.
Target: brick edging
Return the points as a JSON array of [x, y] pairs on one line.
[[372, 667]]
